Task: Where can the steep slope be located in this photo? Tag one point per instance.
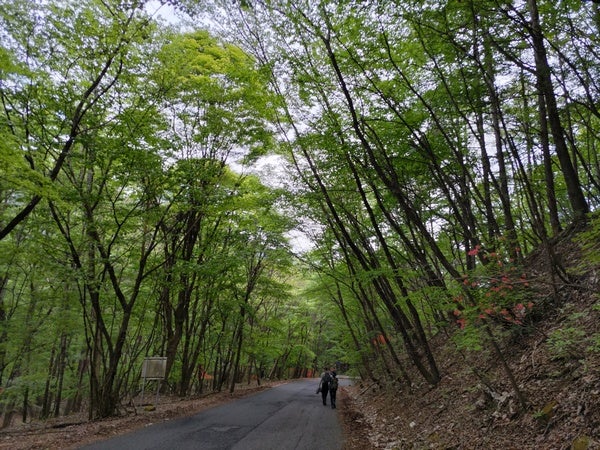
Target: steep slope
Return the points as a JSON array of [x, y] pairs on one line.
[[555, 358]]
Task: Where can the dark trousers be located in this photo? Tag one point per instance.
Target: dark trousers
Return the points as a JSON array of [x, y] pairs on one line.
[[332, 393], [324, 392]]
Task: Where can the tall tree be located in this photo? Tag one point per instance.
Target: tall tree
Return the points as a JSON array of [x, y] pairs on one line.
[[216, 102], [547, 92], [62, 63]]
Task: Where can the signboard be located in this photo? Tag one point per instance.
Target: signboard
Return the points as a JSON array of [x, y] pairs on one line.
[[154, 368]]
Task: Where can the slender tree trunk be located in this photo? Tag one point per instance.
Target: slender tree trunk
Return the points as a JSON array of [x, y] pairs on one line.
[[61, 366], [74, 404], [47, 398], [548, 169], [420, 337], [186, 282], [502, 188], [25, 404], [3, 332], [240, 340], [507, 370], [493, 229], [339, 300], [578, 203]]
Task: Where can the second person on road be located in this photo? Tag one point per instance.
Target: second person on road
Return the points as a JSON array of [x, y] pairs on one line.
[[324, 384]]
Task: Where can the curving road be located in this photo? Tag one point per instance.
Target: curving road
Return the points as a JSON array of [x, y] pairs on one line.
[[286, 417]]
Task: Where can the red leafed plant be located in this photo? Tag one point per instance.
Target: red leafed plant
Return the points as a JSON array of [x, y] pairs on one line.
[[495, 291]]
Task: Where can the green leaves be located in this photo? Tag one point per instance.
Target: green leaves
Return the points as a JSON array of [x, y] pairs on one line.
[[216, 96], [115, 140]]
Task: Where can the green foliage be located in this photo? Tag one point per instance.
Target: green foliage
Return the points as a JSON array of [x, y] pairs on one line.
[[469, 338], [573, 340], [214, 90], [589, 240], [566, 343], [147, 242], [594, 343], [103, 89]]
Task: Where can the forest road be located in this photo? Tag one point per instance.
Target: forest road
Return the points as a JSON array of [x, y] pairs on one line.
[[290, 416]]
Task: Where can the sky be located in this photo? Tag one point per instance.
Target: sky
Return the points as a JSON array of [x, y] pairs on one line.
[[166, 12]]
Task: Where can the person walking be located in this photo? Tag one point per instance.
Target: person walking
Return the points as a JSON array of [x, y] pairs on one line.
[[333, 385], [324, 385]]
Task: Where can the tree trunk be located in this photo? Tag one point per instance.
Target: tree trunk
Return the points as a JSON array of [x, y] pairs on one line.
[[61, 366], [544, 75], [502, 185], [47, 398]]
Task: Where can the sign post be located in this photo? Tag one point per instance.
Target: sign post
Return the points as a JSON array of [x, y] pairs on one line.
[[153, 368]]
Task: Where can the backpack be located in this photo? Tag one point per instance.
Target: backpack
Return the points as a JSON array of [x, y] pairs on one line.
[[333, 384], [325, 380]]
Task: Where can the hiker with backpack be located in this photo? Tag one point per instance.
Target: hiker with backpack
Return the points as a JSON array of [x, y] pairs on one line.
[[324, 385], [333, 385]]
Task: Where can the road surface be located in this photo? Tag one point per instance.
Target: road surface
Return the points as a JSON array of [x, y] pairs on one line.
[[286, 417]]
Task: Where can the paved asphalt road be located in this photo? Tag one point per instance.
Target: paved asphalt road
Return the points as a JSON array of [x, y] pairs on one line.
[[286, 417]]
